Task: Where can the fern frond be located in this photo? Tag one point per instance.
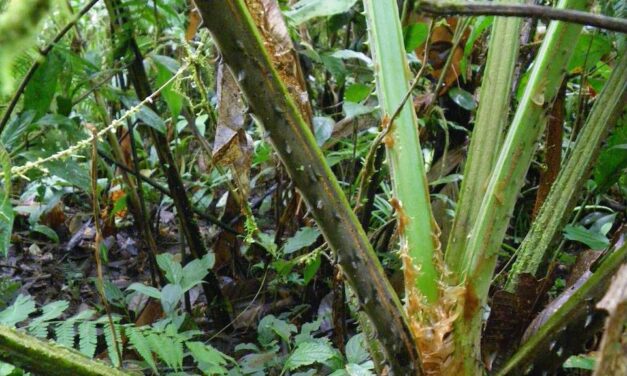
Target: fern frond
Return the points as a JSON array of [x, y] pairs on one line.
[[39, 326], [168, 349], [111, 345], [23, 306], [138, 340], [64, 333], [87, 338]]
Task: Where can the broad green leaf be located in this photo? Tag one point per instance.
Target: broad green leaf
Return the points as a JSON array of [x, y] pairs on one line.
[[41, 88], [304, 10], [311, 268], [581, 234], [589, 51], [146, 290], [356, 109], [72, 172], [166, 67], [210, 360], [356, 349], [612, 161], [304, 237], [415, 35], [151, 119], [308, 353], [196, 270], [173, 269], [463, 98], [46, 231], [170, 297], [358, 370], [270, 326], [357, 92], [581, 362], [23, 306], [52, 311], [17, 127], [323, 128]]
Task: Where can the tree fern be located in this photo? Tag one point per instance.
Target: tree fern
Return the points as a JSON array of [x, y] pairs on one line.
[[140, 343]]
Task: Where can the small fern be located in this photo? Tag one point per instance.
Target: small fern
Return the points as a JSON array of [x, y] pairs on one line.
[[137, 339], [88, 338], [51, 311], [111, 345]]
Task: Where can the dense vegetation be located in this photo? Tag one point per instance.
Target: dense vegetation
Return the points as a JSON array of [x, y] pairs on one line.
[[313, 187]]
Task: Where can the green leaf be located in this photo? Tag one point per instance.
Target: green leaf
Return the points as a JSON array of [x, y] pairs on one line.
[[23, 306], [311, 268], [169, 349], [140, 343], [323, 128], [41, 88], [589, 51], [581, 234], [269, 326], [463, 98], [581, 362], [170, 297], [350, 54], [357, 370], [64, 333], [151, 119], [612, 161], [72, 172], [196, 270], [146, 290], [113, 345], [211, 361], [357, 92], [52, 310], [19, 126], [166, 67], [304, 10], [415, 35], [356, 109], [7, 216], [87, 338], [304, 237], [356, 349], [173, 269], [308, 353], [47, 232]]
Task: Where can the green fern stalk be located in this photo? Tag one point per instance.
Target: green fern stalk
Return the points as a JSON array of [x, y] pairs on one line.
[[403, 150], [479, 259], [536, 248], [487, 135]]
